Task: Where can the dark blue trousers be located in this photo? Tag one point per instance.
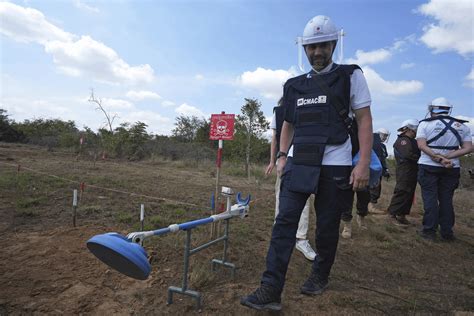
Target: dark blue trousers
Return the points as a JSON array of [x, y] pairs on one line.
[[362, 205], [437, 188], [333, 197]]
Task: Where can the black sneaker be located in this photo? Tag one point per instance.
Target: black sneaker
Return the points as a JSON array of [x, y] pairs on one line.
[[314, 285], [426, 236], [393, 219], [265, 297], [448, 238], [403, 220]]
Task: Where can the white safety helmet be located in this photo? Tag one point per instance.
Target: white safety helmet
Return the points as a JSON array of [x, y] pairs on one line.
[[384, 134], [318, 30], [440, 106], [409, 124]]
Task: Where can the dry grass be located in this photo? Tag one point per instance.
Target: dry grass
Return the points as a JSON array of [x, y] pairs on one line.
[[46, 269]]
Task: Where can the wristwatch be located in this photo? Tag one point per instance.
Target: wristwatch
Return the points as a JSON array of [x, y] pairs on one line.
[[281, 154]]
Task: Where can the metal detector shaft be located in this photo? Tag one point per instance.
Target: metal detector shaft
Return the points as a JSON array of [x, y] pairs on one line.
[[240, 209]]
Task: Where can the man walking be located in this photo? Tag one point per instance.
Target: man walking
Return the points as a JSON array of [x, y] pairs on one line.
[[381, 136], [319, 160]]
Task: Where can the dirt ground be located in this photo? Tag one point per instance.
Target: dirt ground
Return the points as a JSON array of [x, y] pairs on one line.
[[46, 268]]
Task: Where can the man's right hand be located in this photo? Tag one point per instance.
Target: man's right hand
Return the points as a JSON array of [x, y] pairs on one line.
[[281, 165], [360, 176], [270, 167]]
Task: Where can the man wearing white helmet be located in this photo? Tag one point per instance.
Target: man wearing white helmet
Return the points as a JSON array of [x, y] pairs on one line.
[[406, 153], [442, 140], [381, 136], [319, 160]]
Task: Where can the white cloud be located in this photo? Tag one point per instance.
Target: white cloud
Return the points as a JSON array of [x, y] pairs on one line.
[[83, 113], [157, 124], [372, 57], [407, 65], [167, 104], [382, 54], [469, 79], [401, 44], [141, 95], [87, 57], [268, 82], [83, 57], [378, 85], [77, 109], [28, 25], [453, 28], [189, 110], [116, 104], [30, 109], [199, 77], [84, 6]]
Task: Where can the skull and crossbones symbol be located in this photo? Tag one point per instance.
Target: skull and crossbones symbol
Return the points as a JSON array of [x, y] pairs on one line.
[[222, 127]]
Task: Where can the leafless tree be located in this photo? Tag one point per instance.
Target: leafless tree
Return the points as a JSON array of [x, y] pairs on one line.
[[110, 119]]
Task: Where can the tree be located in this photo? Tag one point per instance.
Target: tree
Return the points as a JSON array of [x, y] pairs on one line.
[[253, 124], [8, 133], [110, 119], [187, 128], [202, 133], [49, 132], [138, 137]]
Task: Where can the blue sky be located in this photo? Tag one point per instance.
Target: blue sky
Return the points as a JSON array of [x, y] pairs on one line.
[[150, 61]]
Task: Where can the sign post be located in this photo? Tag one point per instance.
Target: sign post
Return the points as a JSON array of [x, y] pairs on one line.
[[222, 128]]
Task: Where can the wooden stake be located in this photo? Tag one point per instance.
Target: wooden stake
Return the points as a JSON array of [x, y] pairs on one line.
[[74, 208]]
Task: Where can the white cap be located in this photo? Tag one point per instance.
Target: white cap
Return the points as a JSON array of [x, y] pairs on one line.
[[410, 124], [383, 131]]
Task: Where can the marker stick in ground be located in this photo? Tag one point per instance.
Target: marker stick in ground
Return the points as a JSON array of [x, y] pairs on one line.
[[142, 215], [74, 208]]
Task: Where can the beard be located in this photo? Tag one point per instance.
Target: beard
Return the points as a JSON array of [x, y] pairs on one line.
[[319, 62]]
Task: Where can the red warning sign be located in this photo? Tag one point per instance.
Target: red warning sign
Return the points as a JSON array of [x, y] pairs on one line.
[[222, 127]]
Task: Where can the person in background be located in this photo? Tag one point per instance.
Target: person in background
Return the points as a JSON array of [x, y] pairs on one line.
[[369, 195], [406, 154], [363, 198], [442, 139], [302, 242], [381, 136]]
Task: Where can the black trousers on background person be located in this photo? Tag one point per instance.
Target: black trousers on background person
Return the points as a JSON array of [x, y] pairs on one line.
[[404, 192], [363, 199], [402, 200], [375, 192], [437, 189]]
